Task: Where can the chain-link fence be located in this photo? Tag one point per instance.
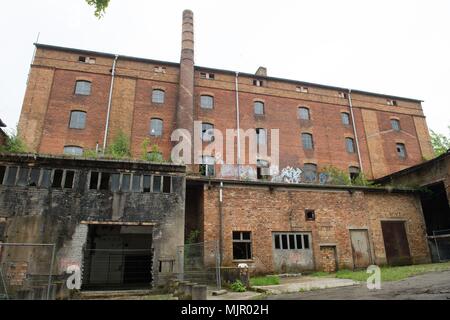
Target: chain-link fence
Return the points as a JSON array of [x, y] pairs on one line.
[[441, 245], [201, 263], [26, 271]]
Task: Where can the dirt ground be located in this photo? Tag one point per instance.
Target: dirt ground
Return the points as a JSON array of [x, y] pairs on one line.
[[429, 286]]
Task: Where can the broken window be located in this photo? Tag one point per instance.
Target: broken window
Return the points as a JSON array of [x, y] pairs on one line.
[[93, 183], [156, 127], [69, 179], [258, 83], [304, 114], [207, 132], [307, 140], [263, 169], [77, 120], [207, 168], [395, 124], [345, 118], [57, 178], [2, 173], [401, 150], [291, 241], [87, 60], [354, 173], [167, 185], [207, 102], [35, 174], [350, 145], [136, 184], [158, 96], [11, 175], [302, 89], [83, 88], [207, 75], [104, 181], [310, 215], [147, 184], [23, 177], [259, 108], [157, 184], [242, 245], [46, 178]]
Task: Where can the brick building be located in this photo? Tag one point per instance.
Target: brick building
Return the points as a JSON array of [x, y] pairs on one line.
[[3, 136], [77, 99]]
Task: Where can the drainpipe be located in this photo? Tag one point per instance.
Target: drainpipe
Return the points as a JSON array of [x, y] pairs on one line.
[[238, 125], [108, 116], [354, 129], [221, 223]]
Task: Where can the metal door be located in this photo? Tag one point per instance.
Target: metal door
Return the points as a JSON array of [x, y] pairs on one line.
[[361, 249], [396, 243]]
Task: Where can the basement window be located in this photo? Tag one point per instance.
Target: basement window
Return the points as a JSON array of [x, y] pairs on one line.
[[242, 245], [310, 215]]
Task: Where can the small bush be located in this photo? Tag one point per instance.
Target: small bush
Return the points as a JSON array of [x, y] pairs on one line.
[[120, 147], [238, 286]]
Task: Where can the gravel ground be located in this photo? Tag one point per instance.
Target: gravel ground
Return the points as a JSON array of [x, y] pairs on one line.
[[429, 286]]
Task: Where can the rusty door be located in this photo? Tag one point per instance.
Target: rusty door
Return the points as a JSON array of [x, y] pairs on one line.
[[361, 249], [396, 243]]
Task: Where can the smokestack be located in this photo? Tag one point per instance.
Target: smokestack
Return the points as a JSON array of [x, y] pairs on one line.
[[185, 108]]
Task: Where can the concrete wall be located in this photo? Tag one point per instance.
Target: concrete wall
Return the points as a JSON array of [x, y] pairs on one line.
[[49, 215], [264, 210]]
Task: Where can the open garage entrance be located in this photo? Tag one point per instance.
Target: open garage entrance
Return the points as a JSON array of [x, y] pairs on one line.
[[118, 257]]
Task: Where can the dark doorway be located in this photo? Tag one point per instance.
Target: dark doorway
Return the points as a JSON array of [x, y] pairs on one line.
[[435, 208], [396, 243], [136, 269], [194, 212]]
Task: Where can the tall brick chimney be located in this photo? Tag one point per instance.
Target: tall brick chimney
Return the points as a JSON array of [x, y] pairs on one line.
[[185, 108]]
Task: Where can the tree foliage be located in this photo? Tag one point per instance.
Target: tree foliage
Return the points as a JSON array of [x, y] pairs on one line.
[[100, 6], [441, 143], [14, 144], [120, 147]]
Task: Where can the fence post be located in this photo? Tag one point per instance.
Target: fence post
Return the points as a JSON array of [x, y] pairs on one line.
[[218, 266]]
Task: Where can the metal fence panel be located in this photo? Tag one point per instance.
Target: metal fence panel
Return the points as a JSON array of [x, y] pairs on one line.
[[441, 241]]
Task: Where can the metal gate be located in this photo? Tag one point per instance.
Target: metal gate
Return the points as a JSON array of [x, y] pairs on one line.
[[26, 271], [201, 263], [440, 245]]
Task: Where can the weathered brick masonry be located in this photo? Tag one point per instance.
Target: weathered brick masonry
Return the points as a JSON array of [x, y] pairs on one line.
[[264, 209]]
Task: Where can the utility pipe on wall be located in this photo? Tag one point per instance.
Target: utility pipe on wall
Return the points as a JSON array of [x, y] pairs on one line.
[[108, 115], [354, 129], [238, 125]]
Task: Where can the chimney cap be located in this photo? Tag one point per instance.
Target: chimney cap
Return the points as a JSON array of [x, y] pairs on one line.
[[262, 71], [188, 12]]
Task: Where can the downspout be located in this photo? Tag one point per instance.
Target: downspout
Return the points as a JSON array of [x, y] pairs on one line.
[[238, 125], [108, 115], [221, 223], [354, 129]]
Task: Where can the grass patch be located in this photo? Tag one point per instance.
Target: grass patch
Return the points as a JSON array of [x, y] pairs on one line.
[[388, 273], [265, 281]]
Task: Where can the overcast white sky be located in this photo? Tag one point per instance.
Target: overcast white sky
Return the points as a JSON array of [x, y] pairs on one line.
[[392, 47]]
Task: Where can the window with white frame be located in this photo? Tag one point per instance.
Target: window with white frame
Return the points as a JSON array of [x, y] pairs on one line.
[[242, 245]]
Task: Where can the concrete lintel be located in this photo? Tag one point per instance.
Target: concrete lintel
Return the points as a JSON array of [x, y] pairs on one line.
[[119, 223]]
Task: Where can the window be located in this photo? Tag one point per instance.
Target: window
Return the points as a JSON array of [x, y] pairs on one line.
[[147, 183], [345, 118], [156, 127], [302, 89], [77, 120], [35, 175], [401, 150], [343, 95], [63, 179], [10, 179], [2, 173], [158, 96], [207, 132], [207, 168], [259, 108], [87, 60], [395, 124], [167, 184], [309, 172], [104, 181], [303, 113], [350, 145], [354, 173], [391, 102], [46, 178], [22, 180], [115, 182], [291, 241], [307, 140], [69, 179], [126, 183], [73, 151], [263, 169], [261, 135], [95, 177], [207, 102], [83, 88], [242, 245], [258, 83], [57, 178], [310, 215], [157, 180], [136, 183], [207, 75], [159, 69]]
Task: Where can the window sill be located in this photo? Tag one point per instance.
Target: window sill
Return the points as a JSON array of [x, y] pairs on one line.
[[244, 261]]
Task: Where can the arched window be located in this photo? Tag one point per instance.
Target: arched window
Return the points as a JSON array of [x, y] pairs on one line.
[[77, 120], [156, 127], [259, 107], [345, 118], [83, 88], [307, 140], [304, 114], [73, 150], [158, 96], [207, 102], [350, 145], [395, 124]]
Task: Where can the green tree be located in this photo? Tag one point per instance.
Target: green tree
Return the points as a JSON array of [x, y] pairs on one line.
[[440, 143], [100, 6], [14, 144]]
